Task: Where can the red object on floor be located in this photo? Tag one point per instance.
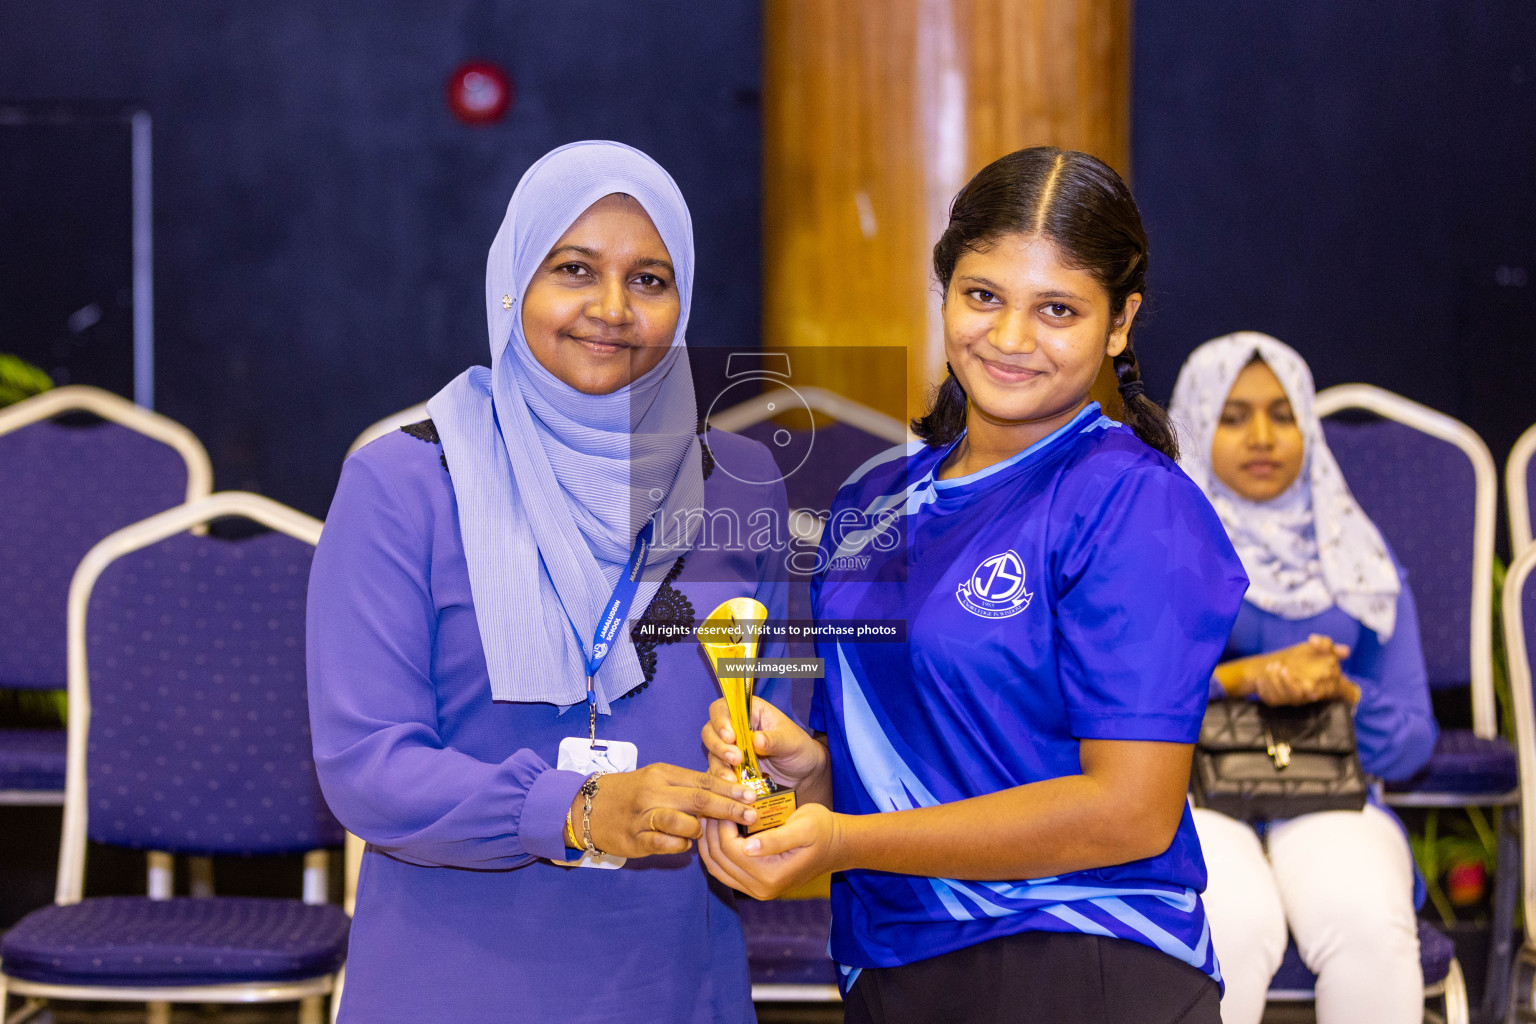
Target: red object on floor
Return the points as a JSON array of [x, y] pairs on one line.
[[1465, 882], [479, 92]]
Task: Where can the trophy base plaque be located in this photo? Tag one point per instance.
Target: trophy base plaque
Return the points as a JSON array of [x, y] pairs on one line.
[[773, 809]]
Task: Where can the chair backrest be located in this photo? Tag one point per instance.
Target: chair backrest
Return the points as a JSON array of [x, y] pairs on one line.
[[1519, 632], [63, 488], [815, 461], [1519, 489], [394, 421], [188, 715], [1429, 484]]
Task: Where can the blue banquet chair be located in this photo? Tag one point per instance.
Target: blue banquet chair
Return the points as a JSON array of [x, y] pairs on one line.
[[787, 950], [1443, 980], [1429, 483], [1519, 629], [189, 734], [64, 486]]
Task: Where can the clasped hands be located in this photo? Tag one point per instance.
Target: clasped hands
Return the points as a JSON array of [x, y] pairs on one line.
[[1300, 674], [661, 808]]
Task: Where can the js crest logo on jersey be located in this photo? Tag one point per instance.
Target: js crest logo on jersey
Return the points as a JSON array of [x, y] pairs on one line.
[[996, 589]]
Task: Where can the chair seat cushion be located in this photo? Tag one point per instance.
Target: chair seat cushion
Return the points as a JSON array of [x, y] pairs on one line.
[[32, 759], [1464, 763], [136, 941], [787, 941], [1435, 955]]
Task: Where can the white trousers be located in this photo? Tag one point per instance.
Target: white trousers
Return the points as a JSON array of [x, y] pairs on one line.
[[1343, 883]]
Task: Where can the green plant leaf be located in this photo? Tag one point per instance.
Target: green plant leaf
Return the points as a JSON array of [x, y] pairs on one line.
[[19, 379], [1501, 690]]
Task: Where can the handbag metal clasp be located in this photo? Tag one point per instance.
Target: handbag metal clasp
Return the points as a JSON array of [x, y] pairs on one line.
[[1279, 751]]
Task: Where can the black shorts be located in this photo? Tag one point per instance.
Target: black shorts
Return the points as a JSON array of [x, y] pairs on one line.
[[1049, 977]]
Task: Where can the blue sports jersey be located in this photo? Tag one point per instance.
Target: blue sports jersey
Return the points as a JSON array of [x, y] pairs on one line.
[[1082, 589]]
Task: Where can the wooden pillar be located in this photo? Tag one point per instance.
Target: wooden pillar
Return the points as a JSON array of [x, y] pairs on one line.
[[875, 113]]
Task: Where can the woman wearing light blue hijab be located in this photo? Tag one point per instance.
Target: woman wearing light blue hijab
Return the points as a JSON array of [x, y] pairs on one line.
[[484, 603]]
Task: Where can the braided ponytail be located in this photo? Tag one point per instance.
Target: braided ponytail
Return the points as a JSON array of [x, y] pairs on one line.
[[1144, 416]]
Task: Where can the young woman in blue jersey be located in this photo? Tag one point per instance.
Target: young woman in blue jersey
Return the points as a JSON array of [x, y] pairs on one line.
[[1002, 796], [1328, 615]]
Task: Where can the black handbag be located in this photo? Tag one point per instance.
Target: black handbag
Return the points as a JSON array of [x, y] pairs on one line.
[[1257, 763]]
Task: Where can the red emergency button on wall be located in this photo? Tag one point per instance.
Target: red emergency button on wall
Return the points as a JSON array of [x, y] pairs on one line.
[[479, 92]]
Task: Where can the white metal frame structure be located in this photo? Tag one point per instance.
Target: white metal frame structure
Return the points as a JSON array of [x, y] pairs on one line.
[[394, 421], [71, 875], [1485, 718], [81, 398], [143, 262], [1516, 645], [1517, 494], [141, 194]]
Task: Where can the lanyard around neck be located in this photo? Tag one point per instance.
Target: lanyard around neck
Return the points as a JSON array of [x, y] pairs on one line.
[[616, 612]]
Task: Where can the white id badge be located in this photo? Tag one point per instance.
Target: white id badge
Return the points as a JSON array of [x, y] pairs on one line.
[[578, 754]]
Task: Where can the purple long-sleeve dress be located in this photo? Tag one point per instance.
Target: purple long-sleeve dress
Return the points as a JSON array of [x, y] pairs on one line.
[[460, 914]]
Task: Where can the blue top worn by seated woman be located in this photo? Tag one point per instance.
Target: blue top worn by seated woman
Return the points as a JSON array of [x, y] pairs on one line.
[[461, 916], [1394, 725], [1081, 589]]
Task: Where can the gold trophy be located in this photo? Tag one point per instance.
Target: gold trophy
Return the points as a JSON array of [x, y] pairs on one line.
[[732, 631]]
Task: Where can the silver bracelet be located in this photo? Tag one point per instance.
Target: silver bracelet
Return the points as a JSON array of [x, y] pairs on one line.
[[589, 790]]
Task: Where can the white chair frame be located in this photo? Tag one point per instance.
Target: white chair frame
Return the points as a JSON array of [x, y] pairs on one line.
[[844, 410], [394, 421], [796, 994], [80, 398], [1386, 404], [71, 875], [1516, 492]]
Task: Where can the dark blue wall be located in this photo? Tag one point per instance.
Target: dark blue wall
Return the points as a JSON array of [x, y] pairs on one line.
[[1351, 179], [321, 220]]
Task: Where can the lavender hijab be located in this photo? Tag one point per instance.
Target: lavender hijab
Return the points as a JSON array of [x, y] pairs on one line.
[[553, 485]]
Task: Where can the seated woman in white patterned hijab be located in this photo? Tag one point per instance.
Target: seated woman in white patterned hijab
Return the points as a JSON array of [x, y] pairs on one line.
[[1328, 614]]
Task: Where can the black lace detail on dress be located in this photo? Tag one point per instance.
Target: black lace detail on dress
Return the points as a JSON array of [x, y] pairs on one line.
[[426, 431], [670, 608], [709, 457]]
